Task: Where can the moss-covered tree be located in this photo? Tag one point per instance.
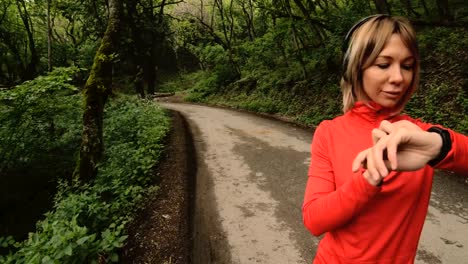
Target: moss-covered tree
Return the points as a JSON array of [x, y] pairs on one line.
[[97, 89]]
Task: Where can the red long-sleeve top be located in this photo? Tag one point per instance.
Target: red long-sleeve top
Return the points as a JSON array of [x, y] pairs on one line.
[[363, 223]]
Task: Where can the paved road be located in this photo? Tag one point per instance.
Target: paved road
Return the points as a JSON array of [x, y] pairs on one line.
[[250, 184]]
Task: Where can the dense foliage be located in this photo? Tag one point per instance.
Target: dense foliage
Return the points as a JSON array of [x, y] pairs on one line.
[[273, 56], [37, 35], [87, 221], [38, 117], [39, 136], [284, 57]]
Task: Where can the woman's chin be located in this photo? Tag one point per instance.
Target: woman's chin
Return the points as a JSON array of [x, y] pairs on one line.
[[388, 104]]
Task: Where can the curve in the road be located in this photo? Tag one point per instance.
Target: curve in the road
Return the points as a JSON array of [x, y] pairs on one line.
[[250, 183]]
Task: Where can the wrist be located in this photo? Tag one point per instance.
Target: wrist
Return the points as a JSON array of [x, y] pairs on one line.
[[436, 147], [442, 144]]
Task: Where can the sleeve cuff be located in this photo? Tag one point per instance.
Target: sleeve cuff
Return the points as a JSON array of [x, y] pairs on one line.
[[359, 188]]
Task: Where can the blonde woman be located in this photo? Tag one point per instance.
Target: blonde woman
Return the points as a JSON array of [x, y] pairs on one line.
[[371, 169]]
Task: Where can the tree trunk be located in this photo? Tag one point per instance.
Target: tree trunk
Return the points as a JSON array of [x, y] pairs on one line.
[[97, 89], [31, 67], [19, 67], [248, 17], [444, 11], [139, 82], [137, 48], [227, 23], [49, 39], [424, 5], [382, 7], [150, 73], [313, 23], [251, 19], [409, 8], [150, 65]]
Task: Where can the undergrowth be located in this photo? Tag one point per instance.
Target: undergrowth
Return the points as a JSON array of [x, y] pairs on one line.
[[87, 222]]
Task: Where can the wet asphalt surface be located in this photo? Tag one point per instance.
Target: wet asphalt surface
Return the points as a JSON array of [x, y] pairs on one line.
[[256, 169]]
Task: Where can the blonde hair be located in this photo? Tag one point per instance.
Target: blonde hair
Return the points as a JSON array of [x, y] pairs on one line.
[[366, 43]]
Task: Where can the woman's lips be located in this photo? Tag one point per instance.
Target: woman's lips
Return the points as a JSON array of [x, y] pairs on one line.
[[392, 94]]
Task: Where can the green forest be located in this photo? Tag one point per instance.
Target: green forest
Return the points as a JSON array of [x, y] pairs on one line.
[[80, 134]]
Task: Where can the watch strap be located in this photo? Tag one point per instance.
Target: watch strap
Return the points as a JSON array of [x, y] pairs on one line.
[[446, 145]]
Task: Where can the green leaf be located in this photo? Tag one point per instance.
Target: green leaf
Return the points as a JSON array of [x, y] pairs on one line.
[[114, 257], [68, 250], [82, 240], [47, 260]]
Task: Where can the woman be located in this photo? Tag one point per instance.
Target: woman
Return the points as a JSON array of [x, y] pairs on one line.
[[371, 169]]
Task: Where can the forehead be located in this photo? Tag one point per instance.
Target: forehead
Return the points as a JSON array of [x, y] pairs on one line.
[[395, 47]]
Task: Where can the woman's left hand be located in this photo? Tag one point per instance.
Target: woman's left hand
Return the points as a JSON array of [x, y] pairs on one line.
[[401, 146]]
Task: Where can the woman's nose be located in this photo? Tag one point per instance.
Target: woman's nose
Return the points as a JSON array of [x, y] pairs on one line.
[[396, 75]]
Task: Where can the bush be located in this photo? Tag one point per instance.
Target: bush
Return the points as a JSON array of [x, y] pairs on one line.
[[441, 104], [37, 117], [87, 222]]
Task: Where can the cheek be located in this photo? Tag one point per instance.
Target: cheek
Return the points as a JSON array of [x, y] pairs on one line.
[[408, 78], [370, 81]]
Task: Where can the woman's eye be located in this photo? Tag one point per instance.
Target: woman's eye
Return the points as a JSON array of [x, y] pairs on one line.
[[382, 65], [407, 67]]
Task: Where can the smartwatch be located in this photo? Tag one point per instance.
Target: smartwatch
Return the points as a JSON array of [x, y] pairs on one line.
[[446, 145]]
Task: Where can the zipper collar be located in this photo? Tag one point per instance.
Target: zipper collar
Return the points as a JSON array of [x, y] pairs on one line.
[[370, 114]]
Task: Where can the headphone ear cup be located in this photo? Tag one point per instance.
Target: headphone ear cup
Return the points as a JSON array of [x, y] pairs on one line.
[[347, 39], [345, 66]]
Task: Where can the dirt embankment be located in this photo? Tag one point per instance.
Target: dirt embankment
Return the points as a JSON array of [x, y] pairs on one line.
[[161, 232]]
